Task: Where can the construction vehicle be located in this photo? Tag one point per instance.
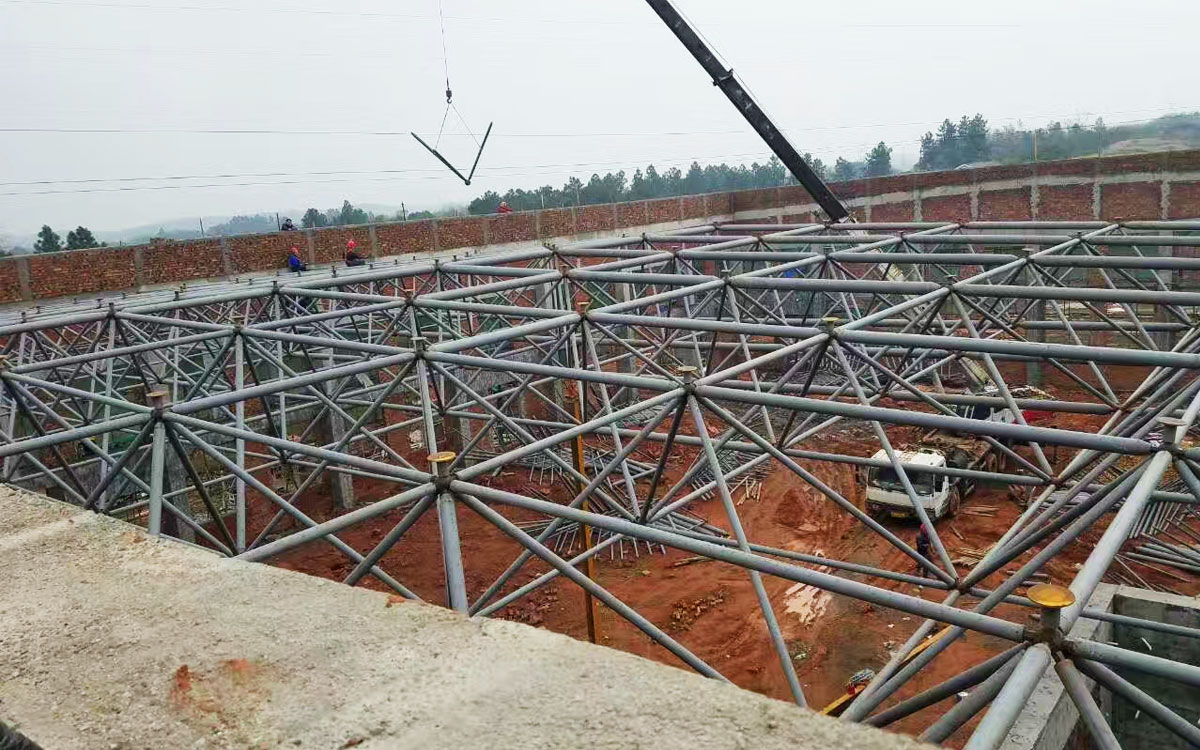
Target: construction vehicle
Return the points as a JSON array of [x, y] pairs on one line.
[[940, 494]]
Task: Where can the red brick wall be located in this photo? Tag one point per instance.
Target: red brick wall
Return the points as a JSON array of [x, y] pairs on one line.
[[519, 227], [180, 261], [664, 210], [405, 237], [693, 206], [749, 200], [1005, 205], [632, 214], [10, 281], [594, 218], [1185, 201], [1064, 202], [329, 245], [717, 204], [556, 222], [893, 211], [259, 252], [1132, 200], [461, 232], [81, 272], [946, 208]]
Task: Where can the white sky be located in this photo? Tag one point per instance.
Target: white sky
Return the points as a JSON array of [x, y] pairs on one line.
[[573, 87]]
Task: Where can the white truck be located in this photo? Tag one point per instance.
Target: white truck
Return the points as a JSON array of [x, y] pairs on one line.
[[940, 495]]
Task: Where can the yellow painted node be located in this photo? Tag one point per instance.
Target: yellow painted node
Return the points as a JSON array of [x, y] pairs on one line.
[[442, 457], [1051, 595]]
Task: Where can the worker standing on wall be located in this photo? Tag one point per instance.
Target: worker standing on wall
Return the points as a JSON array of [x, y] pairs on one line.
[[294, 261], [352, 256], [504, 208]]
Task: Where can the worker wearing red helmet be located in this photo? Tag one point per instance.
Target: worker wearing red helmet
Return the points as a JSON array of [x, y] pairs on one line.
[[352, 256], [294, 261]]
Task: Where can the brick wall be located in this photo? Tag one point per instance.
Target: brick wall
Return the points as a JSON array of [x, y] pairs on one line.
[[1148, 186]]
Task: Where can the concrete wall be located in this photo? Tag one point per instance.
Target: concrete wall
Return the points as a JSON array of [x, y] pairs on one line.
[[1151, 186], [1144, 733]]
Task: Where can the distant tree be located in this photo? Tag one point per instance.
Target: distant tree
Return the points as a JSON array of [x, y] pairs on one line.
[[973, 134], [484, 204], [81, 238], [351, 215], [419, 215], [845, 170], [47, 241], [312, 219], [572, 190], [879, 161]]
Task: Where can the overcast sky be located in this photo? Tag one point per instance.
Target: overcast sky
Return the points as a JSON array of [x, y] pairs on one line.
[[573, 88]]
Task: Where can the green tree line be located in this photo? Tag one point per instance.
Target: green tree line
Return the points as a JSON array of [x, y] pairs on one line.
[[79, 238]]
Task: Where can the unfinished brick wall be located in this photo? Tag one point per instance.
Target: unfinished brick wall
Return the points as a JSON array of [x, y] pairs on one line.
[[1132, 200], [329, 245], [1005, 205], [81, 271], [946, 208], [1131, 187], [180, 261], [406, 237], [1065, 202]]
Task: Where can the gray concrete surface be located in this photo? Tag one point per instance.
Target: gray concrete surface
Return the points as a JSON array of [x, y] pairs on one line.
[[110, 639], [1135, 730]]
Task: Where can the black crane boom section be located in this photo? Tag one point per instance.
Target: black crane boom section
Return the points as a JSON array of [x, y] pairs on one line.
[[724, 79]]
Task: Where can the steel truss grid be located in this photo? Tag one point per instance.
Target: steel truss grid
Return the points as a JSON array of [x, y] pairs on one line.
[[743, 342]]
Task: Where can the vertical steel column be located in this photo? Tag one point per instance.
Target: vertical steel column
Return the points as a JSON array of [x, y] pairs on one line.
[[589, 602], [447, 507], [447, 510], [158, 456], [239, 411]]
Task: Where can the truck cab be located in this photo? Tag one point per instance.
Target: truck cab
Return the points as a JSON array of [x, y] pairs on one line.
[[886, 495]]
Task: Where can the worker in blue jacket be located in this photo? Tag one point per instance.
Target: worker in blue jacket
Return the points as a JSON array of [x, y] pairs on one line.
[[294, 261]]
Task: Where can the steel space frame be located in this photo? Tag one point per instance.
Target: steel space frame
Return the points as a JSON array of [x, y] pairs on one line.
[[181, 409]]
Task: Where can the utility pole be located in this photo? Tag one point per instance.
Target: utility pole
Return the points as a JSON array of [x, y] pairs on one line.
[[201, 226], [403, 212]]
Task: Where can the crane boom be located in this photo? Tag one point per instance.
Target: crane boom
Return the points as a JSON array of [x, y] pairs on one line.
[[724, 79]]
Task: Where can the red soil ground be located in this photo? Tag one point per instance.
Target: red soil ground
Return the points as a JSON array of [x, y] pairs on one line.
[[708, 606]]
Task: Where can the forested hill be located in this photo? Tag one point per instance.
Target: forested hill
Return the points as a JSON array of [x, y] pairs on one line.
[[969, 140]]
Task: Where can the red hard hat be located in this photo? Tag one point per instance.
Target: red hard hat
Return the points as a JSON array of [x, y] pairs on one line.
[[295, 250], [351, 244]]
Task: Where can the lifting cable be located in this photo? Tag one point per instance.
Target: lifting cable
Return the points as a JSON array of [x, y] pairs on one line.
[[446, 114]]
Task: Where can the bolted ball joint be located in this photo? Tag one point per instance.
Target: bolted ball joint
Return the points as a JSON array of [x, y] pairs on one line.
[[688, 374], [441, 468], [1052, 599]]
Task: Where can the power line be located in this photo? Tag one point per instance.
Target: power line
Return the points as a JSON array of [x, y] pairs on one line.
[[664, 134], [439, 176], [493, 171], [1081, 23]]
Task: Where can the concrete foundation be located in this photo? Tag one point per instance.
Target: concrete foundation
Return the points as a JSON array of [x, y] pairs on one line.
[[112, 639]]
